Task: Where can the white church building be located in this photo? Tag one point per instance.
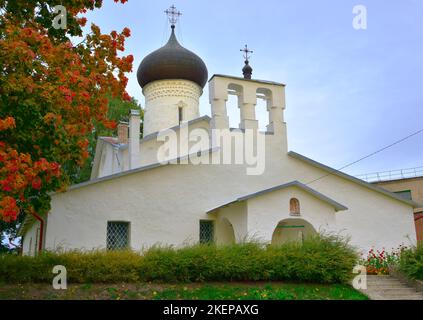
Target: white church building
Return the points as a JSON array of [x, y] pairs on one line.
[[193, 178]]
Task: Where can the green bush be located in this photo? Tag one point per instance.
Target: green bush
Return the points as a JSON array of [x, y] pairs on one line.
[[411, 262], [95, 266], [323, 259]]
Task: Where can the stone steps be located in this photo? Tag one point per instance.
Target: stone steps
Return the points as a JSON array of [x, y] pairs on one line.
[[389, 288]]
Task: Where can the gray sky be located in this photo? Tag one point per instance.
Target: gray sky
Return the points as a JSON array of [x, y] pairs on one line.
[[349, 92]]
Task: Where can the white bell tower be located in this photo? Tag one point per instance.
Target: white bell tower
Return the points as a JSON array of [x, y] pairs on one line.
[[172, 79]]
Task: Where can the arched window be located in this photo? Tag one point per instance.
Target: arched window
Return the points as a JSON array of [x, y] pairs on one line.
[[294, 207]]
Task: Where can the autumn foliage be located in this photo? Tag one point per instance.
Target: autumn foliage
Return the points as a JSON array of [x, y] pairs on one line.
[[52, 92]]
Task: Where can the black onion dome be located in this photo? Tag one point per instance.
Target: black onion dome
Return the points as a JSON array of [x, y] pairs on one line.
[[172, 62]]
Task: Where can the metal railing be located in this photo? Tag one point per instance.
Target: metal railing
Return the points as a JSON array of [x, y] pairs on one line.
[[392, 175]]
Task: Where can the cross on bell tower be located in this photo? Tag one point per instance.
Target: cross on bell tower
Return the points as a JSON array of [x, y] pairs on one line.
[[246, 52], [173, 15], [247, 71]]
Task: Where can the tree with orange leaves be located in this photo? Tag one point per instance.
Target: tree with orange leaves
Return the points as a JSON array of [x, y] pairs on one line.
[[52, 92]]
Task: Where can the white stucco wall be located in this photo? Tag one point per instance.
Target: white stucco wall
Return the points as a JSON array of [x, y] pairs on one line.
[[237, 215], [31, 239], [165, 204], [257, 217], [149, 147], [266, 211], [162, 100], [115, 159], [373, 219], [224, 232]]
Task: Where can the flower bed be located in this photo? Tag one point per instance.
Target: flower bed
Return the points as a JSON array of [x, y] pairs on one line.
[[378, 262]]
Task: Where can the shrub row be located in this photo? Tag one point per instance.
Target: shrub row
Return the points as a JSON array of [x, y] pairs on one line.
[[411, 262], [323, 259]]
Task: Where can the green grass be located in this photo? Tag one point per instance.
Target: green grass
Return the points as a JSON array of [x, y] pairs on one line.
[[208, 291], [269, 292]]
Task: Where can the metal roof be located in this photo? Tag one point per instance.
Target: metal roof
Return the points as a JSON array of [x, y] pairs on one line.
[[250, 80], [320, 196], [338, 173], [172, 61]]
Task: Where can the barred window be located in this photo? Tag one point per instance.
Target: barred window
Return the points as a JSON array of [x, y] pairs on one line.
[[117, 235], [206, 231]]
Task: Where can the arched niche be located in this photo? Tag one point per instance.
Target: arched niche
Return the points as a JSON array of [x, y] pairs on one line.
[[292, 230]]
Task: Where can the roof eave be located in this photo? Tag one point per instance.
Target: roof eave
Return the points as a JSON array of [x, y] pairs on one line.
[[353, 179], [136, 170], [336, 205], [250, 80]]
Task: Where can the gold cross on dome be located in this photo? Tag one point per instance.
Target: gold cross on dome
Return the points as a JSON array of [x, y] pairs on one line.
[[173, 15], [246, 53]]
